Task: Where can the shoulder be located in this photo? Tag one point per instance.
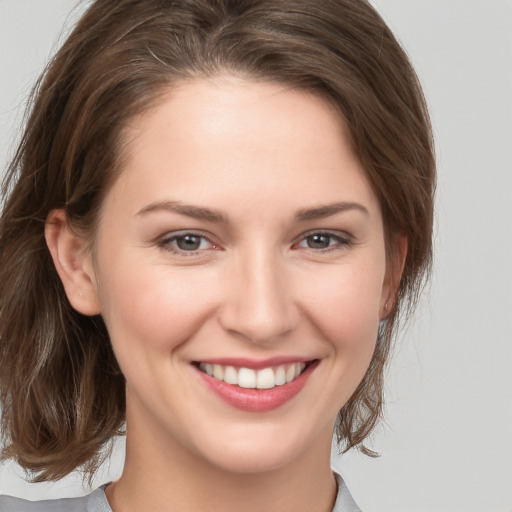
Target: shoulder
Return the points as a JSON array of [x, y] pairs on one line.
[[10, 504], [97, 502], [344, 500], [94, 502]]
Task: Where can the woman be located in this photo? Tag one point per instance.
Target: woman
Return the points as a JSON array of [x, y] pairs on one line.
[[214, 219]]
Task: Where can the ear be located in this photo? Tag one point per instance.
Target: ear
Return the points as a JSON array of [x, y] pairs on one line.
[[394, 269], [73, 262]]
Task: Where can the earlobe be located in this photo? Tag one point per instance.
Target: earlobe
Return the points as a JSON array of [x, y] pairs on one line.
[[73, 263], [394, 272]]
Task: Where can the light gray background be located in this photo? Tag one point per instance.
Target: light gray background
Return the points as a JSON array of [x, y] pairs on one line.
[[447, 443]]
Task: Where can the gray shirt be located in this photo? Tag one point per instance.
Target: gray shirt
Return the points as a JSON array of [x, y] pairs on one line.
[[97, 502]]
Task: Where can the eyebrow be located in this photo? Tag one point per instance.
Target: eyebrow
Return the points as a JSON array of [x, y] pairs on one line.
[[208, 214], [320, 212], [196, 212]]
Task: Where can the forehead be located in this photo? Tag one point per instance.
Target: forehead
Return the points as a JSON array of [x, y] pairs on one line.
[[228, 137], [216, 108]]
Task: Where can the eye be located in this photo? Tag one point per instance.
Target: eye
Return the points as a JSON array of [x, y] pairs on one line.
[[321, 241], [181, 243]]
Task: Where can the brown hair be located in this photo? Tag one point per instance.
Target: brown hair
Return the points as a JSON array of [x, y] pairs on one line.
[[61, 390]]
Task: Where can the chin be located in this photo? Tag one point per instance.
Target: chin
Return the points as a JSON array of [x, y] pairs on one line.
[[252, 461], [260, 450]]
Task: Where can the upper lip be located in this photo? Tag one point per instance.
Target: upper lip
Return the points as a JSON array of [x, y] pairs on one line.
[[255, 364]]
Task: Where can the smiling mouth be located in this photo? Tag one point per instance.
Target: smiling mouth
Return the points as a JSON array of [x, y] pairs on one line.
[[248, 378]]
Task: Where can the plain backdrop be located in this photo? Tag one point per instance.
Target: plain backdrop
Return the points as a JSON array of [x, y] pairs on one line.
[[446, 444]]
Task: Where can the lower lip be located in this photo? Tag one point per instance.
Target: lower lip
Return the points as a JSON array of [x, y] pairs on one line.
[[257, 400]]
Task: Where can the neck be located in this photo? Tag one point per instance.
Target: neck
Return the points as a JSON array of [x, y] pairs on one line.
[[164, 476]]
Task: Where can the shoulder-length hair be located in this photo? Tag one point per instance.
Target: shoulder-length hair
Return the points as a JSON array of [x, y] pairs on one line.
[[61, 390]]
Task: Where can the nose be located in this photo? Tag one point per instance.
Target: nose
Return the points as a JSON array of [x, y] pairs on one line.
[[259, 304]]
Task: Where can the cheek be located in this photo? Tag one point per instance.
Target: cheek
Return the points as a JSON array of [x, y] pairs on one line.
[[345, 307], [153, 310]]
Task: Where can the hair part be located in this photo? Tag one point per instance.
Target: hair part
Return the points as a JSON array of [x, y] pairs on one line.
[[61, 389]]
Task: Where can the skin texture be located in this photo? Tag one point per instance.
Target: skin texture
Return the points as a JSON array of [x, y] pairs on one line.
[[255, 287]]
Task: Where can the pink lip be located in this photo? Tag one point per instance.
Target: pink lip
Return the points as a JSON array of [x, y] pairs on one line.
[[256, 400]]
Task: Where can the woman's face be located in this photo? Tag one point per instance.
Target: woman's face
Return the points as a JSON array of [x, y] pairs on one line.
[[243, 240]]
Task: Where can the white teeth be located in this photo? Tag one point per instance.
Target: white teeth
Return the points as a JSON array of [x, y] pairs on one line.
[[246, 378], [265, 378], [207, 368], [280, 377], [218, 371], [290, 373], [230, 375]]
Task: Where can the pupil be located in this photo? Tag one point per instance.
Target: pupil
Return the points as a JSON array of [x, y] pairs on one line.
[[318, 241], [188, 242]]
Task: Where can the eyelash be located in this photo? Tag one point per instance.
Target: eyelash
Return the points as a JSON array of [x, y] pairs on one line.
[[340, 242], [167, 243]]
